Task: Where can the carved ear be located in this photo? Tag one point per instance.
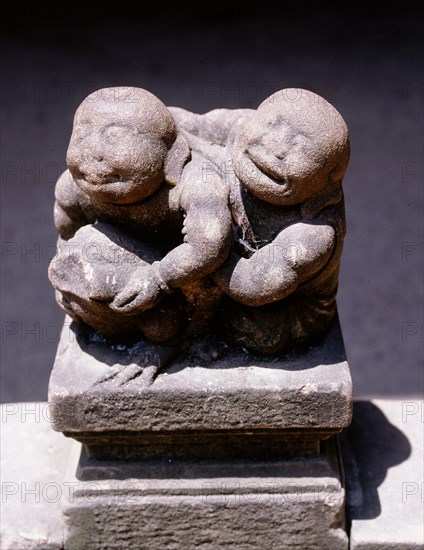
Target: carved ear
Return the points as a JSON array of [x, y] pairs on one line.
[[177, 157]]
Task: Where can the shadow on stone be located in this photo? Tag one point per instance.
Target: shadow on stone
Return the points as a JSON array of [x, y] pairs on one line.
[[329, 351], [371, 445], [319, 468], [141, 352], [209, 351]]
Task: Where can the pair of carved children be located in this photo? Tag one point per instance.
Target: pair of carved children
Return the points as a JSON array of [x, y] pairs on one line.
[[169, 220]]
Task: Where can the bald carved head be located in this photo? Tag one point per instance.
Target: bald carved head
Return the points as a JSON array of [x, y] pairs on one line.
[[294, 147], [120, 143]]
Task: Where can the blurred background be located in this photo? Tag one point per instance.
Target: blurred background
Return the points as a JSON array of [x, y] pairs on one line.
[[229, 54]]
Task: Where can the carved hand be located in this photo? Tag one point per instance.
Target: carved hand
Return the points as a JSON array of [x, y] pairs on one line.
[[142, 292]]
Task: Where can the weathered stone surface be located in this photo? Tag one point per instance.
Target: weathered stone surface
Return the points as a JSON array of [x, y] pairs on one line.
[[294, 503], [242, 207], [383, 458], [236, 404], [288, 159], [238, 504], [229, 229], [33, 467], [131, 167]]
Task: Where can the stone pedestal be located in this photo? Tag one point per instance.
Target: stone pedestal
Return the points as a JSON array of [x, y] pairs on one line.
[[240, 452], [237, 406], [110, 504], [174, 504]]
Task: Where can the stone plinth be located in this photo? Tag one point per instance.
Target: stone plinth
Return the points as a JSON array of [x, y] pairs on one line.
[[291, 503], [236, 406], [239, 452]]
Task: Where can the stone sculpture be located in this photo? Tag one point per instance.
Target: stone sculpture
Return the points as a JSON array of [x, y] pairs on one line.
[[198, 256], [135, 186], [175, 225]]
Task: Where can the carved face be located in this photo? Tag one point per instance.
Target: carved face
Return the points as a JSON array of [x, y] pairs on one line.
[[276, 162], [113, 155]]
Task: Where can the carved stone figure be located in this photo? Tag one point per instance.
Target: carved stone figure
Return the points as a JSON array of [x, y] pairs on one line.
[[196, 252], [136, 183], [235, 216], [285, 165]]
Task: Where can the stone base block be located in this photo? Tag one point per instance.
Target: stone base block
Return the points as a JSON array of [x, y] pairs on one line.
[[234, 406], [247, 503], [290, 504]]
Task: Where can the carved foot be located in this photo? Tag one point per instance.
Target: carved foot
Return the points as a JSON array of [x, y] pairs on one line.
[[137, 366]]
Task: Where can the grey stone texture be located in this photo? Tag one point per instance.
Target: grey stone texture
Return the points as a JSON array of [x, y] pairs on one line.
[[382, 457], [208, 505], [237, 404], [131, 168], [284, 167], [239, 218]]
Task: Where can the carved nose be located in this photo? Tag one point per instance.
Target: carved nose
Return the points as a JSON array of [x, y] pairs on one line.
[[94, 160], [91, 155]]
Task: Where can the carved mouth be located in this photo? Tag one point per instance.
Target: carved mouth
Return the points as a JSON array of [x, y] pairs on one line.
[[99, 180], [267, 171], [102, 191]]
